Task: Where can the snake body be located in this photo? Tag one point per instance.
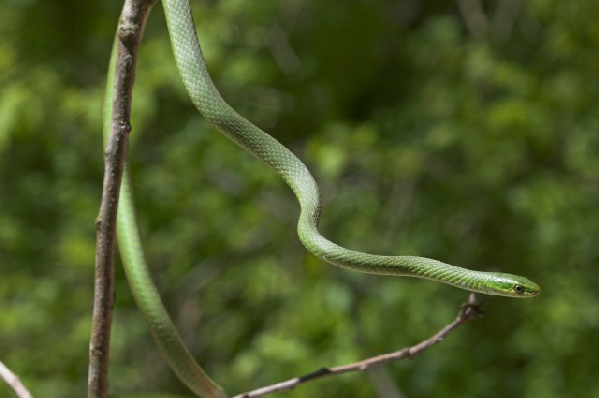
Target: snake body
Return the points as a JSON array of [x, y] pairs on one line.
[[210, 104], [208, 101]]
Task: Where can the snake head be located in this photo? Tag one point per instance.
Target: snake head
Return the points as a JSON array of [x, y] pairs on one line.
[[513, 286]]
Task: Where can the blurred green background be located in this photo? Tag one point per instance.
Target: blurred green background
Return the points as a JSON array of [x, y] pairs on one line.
[[464, 131]]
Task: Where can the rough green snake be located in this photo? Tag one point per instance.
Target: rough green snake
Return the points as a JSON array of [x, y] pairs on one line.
[[208, 101]]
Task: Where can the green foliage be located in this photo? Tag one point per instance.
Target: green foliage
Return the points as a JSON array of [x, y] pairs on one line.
[[478, 149]]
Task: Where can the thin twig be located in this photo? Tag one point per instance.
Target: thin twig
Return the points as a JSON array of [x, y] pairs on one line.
[[129, 33], [469, 310], [13, 381]]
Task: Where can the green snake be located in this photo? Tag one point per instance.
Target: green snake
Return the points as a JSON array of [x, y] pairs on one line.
[[208, 101]]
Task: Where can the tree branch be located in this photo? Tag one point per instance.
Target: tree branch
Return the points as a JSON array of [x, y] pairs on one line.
[[469, 310], [129, 34], [13, 381]]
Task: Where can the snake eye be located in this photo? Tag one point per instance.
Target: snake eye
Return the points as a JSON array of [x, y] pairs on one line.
[[518, 288]]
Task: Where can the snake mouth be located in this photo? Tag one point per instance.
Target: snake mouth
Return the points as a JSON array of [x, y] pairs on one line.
[[535, 292]]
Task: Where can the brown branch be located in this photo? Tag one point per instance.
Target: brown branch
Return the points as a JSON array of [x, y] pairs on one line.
[[13, 381], [129, 34], [469, 310]]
